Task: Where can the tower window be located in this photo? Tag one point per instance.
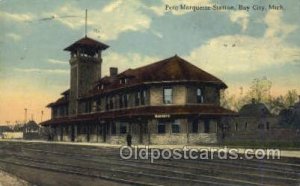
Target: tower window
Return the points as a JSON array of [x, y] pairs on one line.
[[168, 94], [200, 97]]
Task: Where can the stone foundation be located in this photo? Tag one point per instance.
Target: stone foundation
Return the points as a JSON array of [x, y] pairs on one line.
[[142, 132]]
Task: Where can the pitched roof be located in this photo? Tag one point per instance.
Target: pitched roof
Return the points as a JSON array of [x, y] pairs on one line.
[[87, 42], [170, 69], [173, 69], [60, 101], [66, 92], [254, 110]]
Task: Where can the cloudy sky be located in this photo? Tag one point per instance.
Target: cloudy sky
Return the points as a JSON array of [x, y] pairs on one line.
[[236, 46]]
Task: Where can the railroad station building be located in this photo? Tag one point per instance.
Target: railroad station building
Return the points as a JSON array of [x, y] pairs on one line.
[[167, 102]]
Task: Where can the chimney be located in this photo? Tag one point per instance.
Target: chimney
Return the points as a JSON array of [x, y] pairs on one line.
[[113, 71], [253, 100]]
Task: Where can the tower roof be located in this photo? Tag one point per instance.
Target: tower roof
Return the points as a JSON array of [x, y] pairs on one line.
[[87, 44]]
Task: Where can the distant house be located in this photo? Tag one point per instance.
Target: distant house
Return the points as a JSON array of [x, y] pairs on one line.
[[31, 130], [255, 116], [256, 123], [3, 129], [290, 118]]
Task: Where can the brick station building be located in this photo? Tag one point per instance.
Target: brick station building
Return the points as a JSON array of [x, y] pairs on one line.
[[167, 102]]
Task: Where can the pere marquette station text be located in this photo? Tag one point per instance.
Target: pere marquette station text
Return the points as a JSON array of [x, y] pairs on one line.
[[223, 7]]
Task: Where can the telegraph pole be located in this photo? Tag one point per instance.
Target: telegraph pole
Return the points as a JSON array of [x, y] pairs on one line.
[[25, 115], [42, 113], [85, 22]]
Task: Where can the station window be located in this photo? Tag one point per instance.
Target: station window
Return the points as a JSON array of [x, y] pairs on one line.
[[260, 126], [124, 81], [123, 128], [140, 97], [176, 126], [195, 126], [121, 101], [82, 129], [125, 100], [100, 131], [113, 128], [88, 106], [161, 128], [143, 97], [268, 125], [206, 126], [145, 128], [54, 112], [111, 103], [106, 104], [168, 94], [98, 103], [137, 98]]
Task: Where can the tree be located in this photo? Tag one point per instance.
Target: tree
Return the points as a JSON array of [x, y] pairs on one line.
[[276, 104], [260, 90], [291, 98]]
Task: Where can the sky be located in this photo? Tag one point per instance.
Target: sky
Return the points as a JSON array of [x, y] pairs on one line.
[[234, 45]]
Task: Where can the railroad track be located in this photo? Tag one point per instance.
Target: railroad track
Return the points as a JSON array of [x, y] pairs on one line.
[[186, 164], [104, 163], [112, 169]]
